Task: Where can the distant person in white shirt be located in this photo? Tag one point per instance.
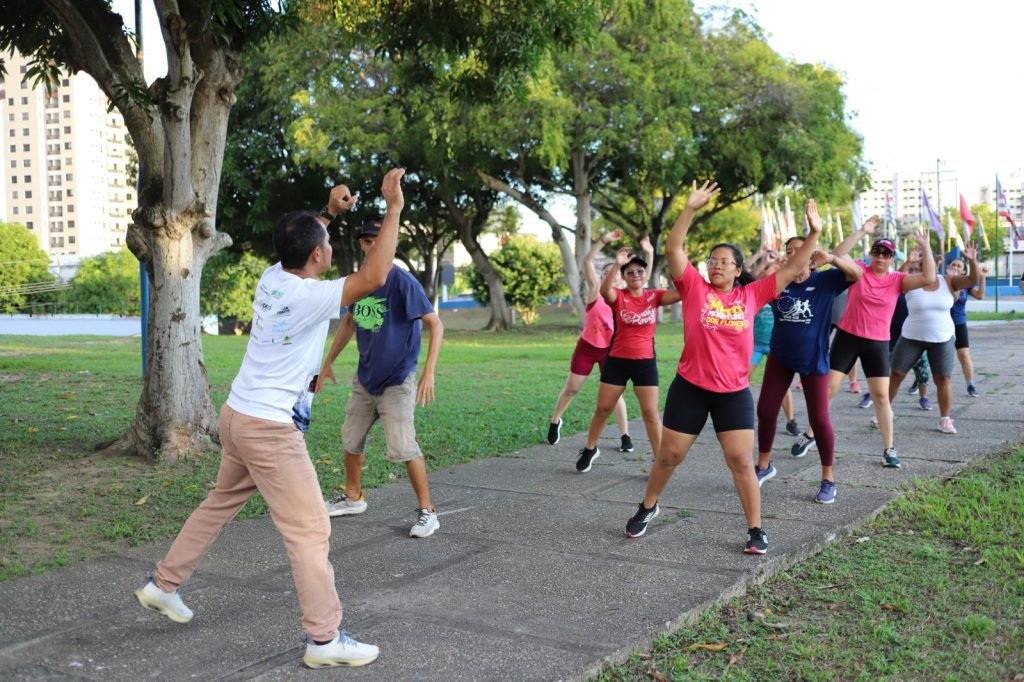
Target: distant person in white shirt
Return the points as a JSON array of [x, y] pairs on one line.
[[266, 414]]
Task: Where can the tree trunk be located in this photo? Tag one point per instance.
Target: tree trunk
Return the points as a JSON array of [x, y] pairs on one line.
[[501, 314], [581, 192], [569, 264]]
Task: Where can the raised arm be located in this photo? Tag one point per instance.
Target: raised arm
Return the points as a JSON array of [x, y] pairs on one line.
[[927, 274], [675, 247], [425, 387], [968, 281], [844, 264], [978, 292], [648, 254], [867, 229], [608, 291], [379, 261], [589, 271], [346, 330], [795, 265]]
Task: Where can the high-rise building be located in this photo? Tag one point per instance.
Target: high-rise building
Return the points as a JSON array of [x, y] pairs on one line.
[[904, 193], [65, 162]]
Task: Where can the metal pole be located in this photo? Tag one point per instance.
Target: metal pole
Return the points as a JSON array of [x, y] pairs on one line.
[[997, 245], [143, 276]]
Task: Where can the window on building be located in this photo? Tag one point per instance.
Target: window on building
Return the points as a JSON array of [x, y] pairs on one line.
[[65, 82], [70, 193], [11, 132], [24, 68], [24, 100], [28, 178], [28, 209], [68, 177], [15, 210], [14, 148], [27, 163], [67, 145], [67, 129], [14, 195], [29, 224], [24, 131], [24, 116], [71, 239], [14, 164], [10, 116], [66, 98], [10, 101], [28, 194], [71, 223], [26, 147], [67, 113], [71, 208], [68, 160]]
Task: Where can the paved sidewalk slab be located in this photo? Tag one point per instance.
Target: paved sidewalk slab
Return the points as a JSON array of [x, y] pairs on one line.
[[530, 576]]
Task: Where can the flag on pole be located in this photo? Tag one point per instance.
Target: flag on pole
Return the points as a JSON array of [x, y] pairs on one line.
[[931, 217], [858, 221], [1003, 206], [954, 235], [967, 218], [889, 216], [984, 237]]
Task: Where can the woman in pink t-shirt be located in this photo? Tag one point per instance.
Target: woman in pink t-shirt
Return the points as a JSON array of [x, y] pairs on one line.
[[863, 330], [592, 346], [711, 379], [631, 354]]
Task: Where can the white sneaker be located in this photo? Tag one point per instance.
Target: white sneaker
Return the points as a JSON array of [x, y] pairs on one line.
[[342, 651], [946, 425], [426, 524], [343, 505], [167, 603]]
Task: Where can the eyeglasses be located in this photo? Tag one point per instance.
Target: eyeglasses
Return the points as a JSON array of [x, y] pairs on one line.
[[881, 253], [631, 273], [724, 262]]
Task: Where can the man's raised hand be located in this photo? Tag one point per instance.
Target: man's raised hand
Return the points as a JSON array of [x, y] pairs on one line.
[[813, 219], [391, 188]]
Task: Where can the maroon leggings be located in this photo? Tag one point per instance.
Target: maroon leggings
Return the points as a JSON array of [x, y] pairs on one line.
[[773, 389]]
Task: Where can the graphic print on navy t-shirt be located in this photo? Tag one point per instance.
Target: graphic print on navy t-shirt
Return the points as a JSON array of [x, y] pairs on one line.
[[796, 310], [388, 331]]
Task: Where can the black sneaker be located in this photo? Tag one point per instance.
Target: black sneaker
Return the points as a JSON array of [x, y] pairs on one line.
[[801, 447], [890, 460], [586, 459], [627, 443], [758, 542], [555, 433], [792, 428], [972, 391], [637, 525]]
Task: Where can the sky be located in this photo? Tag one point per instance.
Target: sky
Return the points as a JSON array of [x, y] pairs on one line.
[[925, 81]]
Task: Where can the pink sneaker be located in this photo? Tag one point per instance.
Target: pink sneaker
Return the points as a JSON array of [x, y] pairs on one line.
[[946, 425], [854, 386]]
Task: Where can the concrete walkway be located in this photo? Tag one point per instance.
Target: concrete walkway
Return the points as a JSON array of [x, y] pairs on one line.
[[530, 576]]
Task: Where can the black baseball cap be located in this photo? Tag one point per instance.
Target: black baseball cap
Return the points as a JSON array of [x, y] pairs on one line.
[[370, 227]]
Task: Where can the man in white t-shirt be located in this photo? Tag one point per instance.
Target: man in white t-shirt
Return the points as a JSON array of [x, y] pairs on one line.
[[266, 414]]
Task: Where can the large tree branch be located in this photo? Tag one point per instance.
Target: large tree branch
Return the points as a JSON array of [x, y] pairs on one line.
[[528, 200]]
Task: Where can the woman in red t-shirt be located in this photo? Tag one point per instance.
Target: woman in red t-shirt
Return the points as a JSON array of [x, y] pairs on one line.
[[592, 346], [631, 354], [711, 379]]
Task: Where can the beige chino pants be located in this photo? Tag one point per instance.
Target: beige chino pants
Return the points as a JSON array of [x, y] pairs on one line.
[[269, 457]]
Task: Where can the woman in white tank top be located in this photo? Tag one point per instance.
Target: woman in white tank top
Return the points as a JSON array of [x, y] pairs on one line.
[[929, 329]]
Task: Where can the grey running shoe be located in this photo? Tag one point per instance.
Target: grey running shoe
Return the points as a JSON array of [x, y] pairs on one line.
[[343, 505], [792, 428], [827, 494], [426, 523], [764, 474], [891, 460]]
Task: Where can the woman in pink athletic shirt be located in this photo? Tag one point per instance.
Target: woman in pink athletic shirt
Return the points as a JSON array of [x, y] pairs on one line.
[[711, 378], [631, 357], [592, 346], [863, 331]]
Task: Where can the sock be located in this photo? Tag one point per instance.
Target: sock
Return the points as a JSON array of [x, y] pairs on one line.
[[319, 643], [970, 383]]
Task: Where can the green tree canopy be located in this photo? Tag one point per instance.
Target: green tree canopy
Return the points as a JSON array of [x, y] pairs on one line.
[[531, 272], [229, 281], [24, 276], [107, 283]]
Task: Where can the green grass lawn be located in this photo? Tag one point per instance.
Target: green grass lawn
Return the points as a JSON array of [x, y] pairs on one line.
[[61, 501], [933, 589]]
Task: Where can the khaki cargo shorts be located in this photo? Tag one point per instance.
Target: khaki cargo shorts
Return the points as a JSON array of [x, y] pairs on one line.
[[394, 407]]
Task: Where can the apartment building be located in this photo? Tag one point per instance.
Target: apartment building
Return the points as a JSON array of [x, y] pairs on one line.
[[65, 162]]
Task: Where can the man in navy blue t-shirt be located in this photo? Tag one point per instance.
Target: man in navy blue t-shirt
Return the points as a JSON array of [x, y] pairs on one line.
[[386, 325]]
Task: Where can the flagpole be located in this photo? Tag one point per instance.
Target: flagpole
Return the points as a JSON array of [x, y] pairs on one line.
[[997, 244]]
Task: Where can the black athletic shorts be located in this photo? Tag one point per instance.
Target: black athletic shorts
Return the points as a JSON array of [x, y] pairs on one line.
[[962, 340], [687, 408], [847, 347], [619, 371]]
